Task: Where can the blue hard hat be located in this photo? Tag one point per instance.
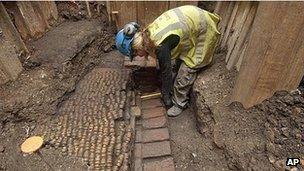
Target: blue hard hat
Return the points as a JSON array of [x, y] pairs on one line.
[[124, 43], [124, 39]]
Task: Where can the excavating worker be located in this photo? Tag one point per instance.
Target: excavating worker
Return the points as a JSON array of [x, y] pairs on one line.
[[186, 34]]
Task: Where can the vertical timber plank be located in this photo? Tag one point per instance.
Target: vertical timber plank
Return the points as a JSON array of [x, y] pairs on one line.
[[174, 4], [225, 14], [32, 22], [148, 11], [10, 32], [229, 25], [237, 28], [273, 53], [239, 48], [10, 65], [41, 13], [53, 10], [218, 7], [126, 12]]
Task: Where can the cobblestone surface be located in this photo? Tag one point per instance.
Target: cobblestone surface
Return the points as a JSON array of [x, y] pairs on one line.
[[90, 123]]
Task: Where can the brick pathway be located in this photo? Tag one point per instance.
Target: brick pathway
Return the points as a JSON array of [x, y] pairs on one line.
[[90, 123], [152, 150]]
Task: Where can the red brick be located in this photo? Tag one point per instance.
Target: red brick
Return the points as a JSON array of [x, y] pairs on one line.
[[152, 135], [138, 134], [164, 164], [153, 112], [158, 122], [151, 103], [138, 166], [137, 150], [156, 149]]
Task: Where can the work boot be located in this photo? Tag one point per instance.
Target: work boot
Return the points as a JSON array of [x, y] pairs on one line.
[[174, 111]]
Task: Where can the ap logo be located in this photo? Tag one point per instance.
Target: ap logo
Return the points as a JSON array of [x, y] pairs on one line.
[[292, 161]]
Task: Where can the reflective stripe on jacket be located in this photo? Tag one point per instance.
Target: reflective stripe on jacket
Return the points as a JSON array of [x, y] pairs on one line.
[[197, 30]]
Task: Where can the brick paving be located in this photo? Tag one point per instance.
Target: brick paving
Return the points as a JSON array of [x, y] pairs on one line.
[[158, 122], [152, 149], [90, 123], [152, 113]]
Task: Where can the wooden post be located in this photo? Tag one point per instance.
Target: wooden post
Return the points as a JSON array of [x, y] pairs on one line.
[[10, 65], [88, 9], [225, 14], [108, 5], [273, 59], [241, 27], [218, 7], [10, 32]]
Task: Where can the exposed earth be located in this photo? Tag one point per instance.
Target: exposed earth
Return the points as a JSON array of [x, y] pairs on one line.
[[259, 138]]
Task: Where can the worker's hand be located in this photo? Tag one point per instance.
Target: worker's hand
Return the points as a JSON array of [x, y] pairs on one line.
[[167, 100]]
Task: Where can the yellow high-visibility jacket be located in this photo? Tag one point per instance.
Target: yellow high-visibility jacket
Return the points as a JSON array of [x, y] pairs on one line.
[[197, 30]]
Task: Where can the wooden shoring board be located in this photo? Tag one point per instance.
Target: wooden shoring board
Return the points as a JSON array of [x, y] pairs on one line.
[[274, 55], [49, 10], [238, 52], [10, 47], [10, 65], [174, 4], [229, 25], [33, 22], [10, 32], [218, 6], [239, 27], [225, 14], [28, 23], [126, 12], [144, 12], [40, 13], [241, 55], [148, 11], [53, 10]]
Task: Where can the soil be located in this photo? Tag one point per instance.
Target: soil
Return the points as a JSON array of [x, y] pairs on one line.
[[189, 149], [40, 90], [259, 138], [75, 11]]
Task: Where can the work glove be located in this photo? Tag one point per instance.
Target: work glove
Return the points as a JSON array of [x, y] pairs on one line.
[[167, 100]]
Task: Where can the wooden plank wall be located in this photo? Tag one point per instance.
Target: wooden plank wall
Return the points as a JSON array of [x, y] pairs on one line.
[[126, 12], [20, 22], [10, 45], [143, 12], [235, 26], [273, 59], [32, 19]]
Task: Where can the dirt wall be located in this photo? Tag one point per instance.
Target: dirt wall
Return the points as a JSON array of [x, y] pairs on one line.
[[260, 138]]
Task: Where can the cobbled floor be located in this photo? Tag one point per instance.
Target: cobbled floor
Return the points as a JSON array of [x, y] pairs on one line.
[[91, 125]]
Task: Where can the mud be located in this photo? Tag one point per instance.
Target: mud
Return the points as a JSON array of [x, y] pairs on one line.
[[35, 97], [63, 43], [190, 151], [39, 89], [260, 138]]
